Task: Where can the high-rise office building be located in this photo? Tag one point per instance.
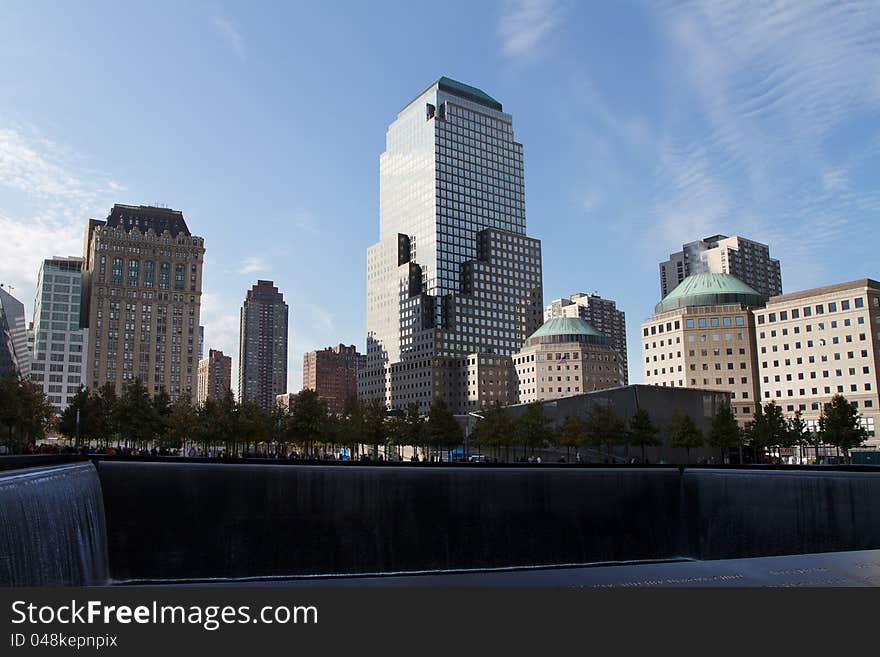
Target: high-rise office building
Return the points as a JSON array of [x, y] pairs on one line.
[[702, 335], [748, 260], [215, 376], [599, 313], [14, 355], [262, 351], [333, 374], [817, 343], [142, 288], [59, 344], [454, 274], [201, 342]]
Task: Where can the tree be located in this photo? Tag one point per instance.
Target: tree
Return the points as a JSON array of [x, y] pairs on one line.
[[604, 427], [407, 428], [351, 430], [24, 410], [683, 432], [10, 405], [725, 432], [135, 414], [768, 428], [799, 432], [840, 425], [442, 430], [374, 429], [642, 432], [87, 403], [532, 427], [571, 434], [495, 429], [161, 412], [181, 423], [106, 413]]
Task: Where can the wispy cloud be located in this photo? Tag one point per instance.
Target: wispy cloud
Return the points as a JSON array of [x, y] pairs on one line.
[[230, 34], [760, 94], [525, 25], [47, 193], [253, 265]]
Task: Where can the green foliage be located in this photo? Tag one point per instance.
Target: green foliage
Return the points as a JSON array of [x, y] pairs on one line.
[[683, 432], [642, 432], [375, 432], [768, 428], [135, 415], [604, 427], [442, 431], [532, 427], [24, 412], [571, 433], [725, 432], [495, 429], [839, 425], [799, 434]]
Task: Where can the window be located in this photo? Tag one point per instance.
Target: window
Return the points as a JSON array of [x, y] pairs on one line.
[[148, 273], [133, 273]]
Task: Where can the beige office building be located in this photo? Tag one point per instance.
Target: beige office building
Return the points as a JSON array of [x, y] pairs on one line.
[[702, 336], [566, 356], [142, 287], [215, 376], [821, 342], [600, 313]]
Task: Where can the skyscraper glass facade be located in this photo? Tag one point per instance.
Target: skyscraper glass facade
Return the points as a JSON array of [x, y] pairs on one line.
[[453, 272]]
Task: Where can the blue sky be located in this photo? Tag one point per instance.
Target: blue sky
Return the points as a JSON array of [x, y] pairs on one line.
[[644, 125]]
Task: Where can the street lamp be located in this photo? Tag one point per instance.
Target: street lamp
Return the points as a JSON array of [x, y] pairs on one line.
[[468, 432]]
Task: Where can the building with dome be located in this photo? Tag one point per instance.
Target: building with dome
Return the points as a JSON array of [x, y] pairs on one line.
[[566, 356], [702, 335]]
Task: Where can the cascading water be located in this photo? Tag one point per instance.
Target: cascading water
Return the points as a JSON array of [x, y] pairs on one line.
[[52, 528]]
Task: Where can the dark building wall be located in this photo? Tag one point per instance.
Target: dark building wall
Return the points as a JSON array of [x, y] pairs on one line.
[[661, 402]]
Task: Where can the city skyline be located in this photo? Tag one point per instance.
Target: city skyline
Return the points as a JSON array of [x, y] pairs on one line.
[[57, 172]]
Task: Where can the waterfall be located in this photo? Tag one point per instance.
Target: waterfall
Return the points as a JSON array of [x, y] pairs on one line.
[[52, 528]]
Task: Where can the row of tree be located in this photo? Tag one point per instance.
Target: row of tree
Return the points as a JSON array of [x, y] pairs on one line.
[[600, 428], [135, 418]]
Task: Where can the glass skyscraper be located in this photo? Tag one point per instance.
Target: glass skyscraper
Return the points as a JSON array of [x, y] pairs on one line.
[[453, 279]]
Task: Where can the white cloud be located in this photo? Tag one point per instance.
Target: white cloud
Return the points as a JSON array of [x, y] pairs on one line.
[[229, 33], [526, 24], [47, 194], [769, 86], [253, 265]]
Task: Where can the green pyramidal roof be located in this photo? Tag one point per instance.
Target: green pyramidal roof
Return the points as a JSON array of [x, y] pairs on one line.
[[710, 290], [566, 329]]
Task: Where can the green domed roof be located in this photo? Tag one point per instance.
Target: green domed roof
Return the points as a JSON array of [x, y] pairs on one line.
[[709, 290], [566, 329]]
